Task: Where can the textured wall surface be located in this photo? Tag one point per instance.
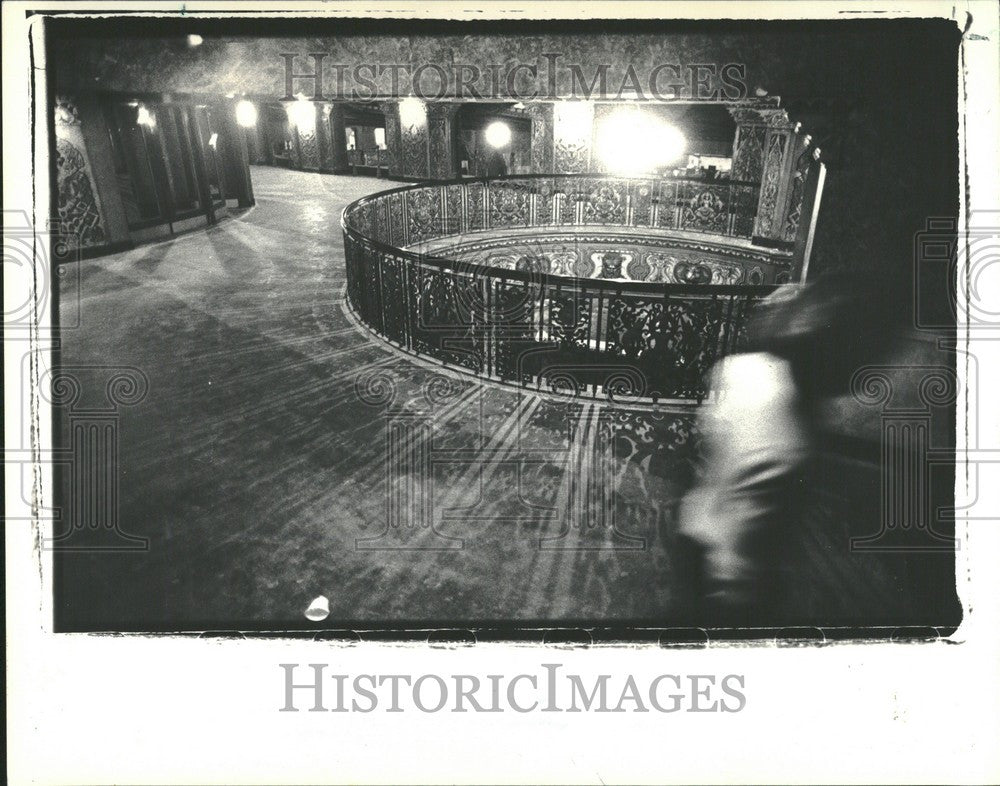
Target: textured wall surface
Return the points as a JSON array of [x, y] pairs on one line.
[[77, 200]]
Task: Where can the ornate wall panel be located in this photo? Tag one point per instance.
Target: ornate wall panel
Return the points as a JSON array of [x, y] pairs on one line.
[[772, 182], [641, 197], [414, 150], [477, 206], [796, 189], [440, 129], [412, 119], [707, 210], [748, 153], [455, 207], [510, 204], [393, 138], [606, 202], [308, 142], [424, 218], [541, 137], [622, 259], [77, 200], [323, 138]]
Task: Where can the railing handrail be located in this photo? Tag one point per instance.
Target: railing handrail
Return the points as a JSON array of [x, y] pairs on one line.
[[473, 268], [428, 183], [601, 336]]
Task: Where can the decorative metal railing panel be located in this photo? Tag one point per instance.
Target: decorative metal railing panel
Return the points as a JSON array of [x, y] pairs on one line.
[[582, 336]]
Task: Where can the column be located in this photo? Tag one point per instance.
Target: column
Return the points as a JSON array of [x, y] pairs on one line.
[[235, 156], [336, 129], [441, 133], [393, 137], [88, 204], [765, 147], [305, 117], [407, 139], [541, 115]]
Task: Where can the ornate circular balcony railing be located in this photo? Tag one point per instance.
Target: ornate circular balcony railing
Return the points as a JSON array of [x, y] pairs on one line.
[[645, 323]]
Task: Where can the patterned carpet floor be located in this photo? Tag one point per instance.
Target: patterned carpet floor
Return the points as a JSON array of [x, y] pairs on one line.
[[281, 453]]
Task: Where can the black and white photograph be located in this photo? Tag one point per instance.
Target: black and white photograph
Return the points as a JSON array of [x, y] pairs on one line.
[[638, 328], [631, 344]]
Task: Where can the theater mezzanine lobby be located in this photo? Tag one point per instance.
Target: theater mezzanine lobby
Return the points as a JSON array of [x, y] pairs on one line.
[[256, 460], [436, 362], [256, 405]]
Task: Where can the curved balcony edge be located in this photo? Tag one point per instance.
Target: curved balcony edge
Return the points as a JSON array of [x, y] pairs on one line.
[[601, 338]]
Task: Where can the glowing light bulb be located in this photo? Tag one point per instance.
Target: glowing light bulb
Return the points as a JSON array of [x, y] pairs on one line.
[[303, 115], [246, 114], [631, 141], [573, 119], [145, 118], [412, 113], [498, 134]]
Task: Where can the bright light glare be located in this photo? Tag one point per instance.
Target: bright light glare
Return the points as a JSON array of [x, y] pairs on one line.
[[303, 115], [246, 114], [145, 118], [195, 40], [498, 134], [412, 113], [574, 119], [631, 142]]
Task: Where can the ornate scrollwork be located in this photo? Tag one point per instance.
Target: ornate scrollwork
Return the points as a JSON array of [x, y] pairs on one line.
[[509, 205], [424, 214], [570, 318], [605, 203], [706, 211], [771, 183]]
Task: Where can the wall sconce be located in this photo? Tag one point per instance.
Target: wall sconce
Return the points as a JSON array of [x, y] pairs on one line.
[[246, 114], [412, 114]]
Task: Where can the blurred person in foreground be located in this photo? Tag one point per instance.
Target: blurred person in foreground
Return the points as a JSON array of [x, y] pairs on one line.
[[741, 524]]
